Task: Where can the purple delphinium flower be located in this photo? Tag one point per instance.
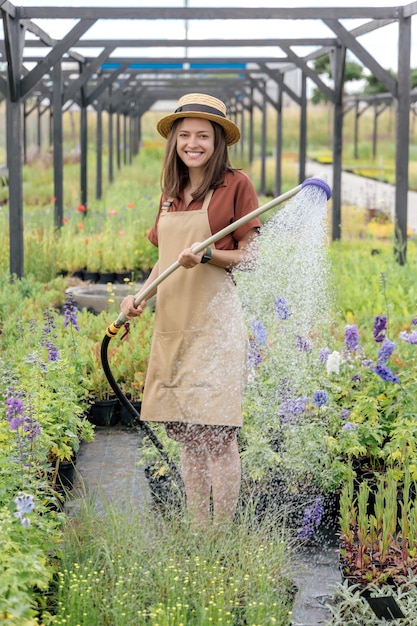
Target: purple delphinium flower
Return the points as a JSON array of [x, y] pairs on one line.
[[414, 321], [409, 337], [347, 426], [47, 334], [259, 331], [24, 505], [292, 407], [385, 351], [324, 354], [367, 363], [344, 414], [312, 518], [302, 344], [15, 412], [319, 398], [351, 337], [380, 327], [70, 312], [385, 373], [254, 354], [281, 308]]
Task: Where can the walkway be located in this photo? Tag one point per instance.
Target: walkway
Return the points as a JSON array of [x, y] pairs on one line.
[[108, 473]]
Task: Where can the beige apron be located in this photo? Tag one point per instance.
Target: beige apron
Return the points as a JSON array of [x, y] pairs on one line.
[[197, 367]]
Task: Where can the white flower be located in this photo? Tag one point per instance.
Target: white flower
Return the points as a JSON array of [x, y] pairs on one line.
[[333, 363]]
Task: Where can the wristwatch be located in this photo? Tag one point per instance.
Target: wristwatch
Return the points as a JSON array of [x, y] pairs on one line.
[[206, 256]]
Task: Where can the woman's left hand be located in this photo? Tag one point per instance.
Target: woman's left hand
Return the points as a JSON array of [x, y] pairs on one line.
[[187, 259]]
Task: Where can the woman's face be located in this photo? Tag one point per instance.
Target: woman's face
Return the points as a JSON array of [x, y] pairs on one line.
[[195, 141]]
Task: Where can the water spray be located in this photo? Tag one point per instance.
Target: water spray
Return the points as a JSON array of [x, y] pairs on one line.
[[114, 328]]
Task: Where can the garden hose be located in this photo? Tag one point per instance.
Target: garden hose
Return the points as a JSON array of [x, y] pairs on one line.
[[114, 328]]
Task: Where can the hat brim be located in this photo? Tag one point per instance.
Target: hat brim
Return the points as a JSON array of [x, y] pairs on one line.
[[232, 132]]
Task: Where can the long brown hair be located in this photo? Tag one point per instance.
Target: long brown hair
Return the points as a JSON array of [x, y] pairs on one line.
[[175, 177]]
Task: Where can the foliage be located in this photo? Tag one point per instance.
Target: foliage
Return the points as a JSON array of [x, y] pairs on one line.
[[132, 573], [378, 522], [351, 608]]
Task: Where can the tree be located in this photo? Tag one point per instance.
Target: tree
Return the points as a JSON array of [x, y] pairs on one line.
[[322, 66]]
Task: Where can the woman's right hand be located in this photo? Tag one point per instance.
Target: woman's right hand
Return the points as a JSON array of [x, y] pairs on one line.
[[128, 308]]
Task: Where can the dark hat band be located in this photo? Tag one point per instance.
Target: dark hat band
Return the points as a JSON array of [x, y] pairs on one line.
[[200, 108]]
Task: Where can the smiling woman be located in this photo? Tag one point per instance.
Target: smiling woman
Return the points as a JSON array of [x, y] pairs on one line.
[[196, 374]]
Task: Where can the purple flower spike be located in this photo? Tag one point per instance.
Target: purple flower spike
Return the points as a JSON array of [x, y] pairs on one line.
[[385, 373], [70, 312], [319, 398], [281, 308], [259, 332], [409, 337], [324, 354], [312, 517], [302, 344], [351, 338], [380, 327], [385, 351]]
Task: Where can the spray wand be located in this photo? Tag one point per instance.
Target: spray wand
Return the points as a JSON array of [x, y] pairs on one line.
[[114, 328]]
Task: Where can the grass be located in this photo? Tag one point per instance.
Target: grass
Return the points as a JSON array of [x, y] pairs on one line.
[[154, 572]]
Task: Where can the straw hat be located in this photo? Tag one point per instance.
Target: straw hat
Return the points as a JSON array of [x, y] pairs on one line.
[[202, 106]]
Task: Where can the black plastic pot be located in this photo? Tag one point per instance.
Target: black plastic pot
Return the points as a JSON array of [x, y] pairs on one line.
[[104, 412]]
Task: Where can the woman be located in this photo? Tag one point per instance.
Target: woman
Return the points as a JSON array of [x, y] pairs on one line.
[[196, 375]]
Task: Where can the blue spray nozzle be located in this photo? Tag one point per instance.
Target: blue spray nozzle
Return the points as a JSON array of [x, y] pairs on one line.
[[318, 182]]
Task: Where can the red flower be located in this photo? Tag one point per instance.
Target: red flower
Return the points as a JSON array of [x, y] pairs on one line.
[[81, 208], [130, 205], [112, 212], [80, 225], [64, 219], [53, 199]]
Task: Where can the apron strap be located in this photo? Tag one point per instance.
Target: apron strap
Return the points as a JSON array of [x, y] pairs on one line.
[[207, 199], [167, 204]]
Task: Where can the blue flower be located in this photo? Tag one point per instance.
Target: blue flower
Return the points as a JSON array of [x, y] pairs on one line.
[[281, 308], [70, 312], [292, 407], [254, 355], [380, 326], [344, 414], [302, 344], [351, 338], [347, 426], [312, 518], [259, 332], [24, 505], [324, 355], [385, 351], [409, 337], [385, 373], [319, 398]]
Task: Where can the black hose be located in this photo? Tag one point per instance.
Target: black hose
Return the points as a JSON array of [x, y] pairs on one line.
[[129, 407]]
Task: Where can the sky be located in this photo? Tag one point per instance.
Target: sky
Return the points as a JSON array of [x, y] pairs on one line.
[[382, 43]]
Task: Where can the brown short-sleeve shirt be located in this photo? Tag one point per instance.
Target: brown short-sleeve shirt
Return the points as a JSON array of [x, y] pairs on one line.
[[235, 198]]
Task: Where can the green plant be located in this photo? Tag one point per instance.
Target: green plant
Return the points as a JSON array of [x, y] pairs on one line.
[[135, 572]]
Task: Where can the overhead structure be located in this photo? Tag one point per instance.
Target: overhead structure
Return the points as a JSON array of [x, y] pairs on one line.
[[126, 75]]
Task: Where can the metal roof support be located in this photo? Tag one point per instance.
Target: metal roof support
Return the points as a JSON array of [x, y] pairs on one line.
[[58, 158], [278, 145], [118, 157], [338, 58], [125, 138], [402, 141], [110, 138], [303, 130], [264, 114], [14, 166], [99, 149], [83, 147], [251, 140]]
